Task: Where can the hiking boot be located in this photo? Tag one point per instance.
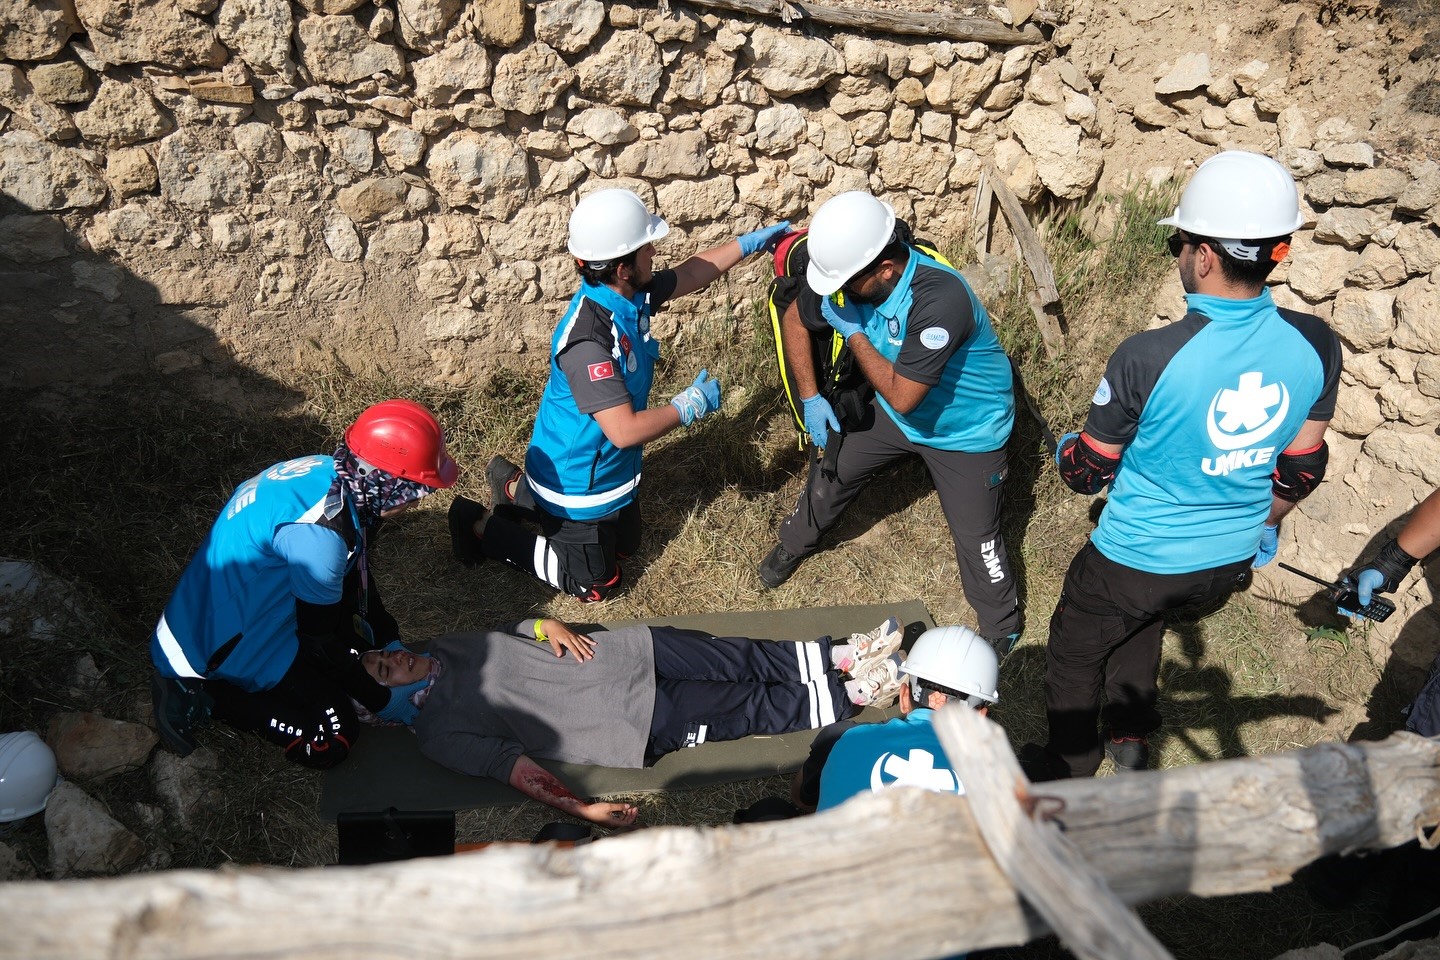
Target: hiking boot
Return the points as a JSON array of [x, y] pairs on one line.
[[180, 706], [776, 568], [1041, 765], [1130, 754], [1003, 645], [464, 514], [878, 685], [506, 485], [601, 591], [878, 644]]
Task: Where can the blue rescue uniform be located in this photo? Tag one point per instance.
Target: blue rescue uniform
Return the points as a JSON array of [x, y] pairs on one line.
[[1203, 407], [580, 488], [936, 332]]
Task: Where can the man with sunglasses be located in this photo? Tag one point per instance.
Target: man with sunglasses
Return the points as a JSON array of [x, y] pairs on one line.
[[943, 391], [1207, 432]]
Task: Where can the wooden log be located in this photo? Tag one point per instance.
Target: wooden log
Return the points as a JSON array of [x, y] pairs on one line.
[[935, 25], [1045, 304], [827, 885], [1039, 862]]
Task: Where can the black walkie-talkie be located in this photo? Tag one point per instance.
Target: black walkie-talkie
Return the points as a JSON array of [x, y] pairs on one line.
[[1348, 599]]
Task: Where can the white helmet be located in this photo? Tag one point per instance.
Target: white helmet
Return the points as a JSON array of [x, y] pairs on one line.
[[611, 223], [27, 775], [958, 658], [849, 231], [1237, 195]]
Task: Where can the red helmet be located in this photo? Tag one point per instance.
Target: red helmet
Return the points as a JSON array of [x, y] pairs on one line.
[[403, 438]]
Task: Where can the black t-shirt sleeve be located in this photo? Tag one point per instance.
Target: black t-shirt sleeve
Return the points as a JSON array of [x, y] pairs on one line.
[[1327, 346], [808, 792], [661, 289], [941, 320], [596, 379], [1130, 377]]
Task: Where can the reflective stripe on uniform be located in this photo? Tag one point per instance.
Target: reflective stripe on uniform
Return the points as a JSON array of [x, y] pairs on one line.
[[174, 655], [580, 501]]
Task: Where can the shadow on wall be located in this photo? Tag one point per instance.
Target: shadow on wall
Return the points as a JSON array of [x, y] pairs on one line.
[[119, 452]]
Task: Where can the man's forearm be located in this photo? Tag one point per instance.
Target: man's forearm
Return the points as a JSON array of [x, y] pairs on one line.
[[900, 392], [537, 783], [1421, 535], [795, 338]]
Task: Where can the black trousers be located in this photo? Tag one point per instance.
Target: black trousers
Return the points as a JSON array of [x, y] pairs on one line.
[[971, 488], [581, 557], [724, 688], [307, 713], [1105, 636]]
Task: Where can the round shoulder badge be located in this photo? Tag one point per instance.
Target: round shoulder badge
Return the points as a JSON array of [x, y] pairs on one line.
[[1102, 393], [934, 337]]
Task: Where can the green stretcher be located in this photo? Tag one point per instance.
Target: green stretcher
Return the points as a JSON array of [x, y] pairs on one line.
[[386, 769]]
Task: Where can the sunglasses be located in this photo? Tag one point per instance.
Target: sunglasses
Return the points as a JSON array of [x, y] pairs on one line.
[[1179, 241]]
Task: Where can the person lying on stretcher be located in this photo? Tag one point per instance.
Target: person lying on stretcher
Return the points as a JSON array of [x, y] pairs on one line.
[[498, 699]]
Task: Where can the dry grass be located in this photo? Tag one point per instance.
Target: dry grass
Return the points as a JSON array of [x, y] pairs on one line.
[[115, 497]]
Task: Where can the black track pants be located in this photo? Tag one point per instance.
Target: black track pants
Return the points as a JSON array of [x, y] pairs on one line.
[[1105, 636], [725, 688], [971, 488], [581, 557]]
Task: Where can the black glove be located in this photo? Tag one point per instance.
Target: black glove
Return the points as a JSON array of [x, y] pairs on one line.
[[1392, 563]]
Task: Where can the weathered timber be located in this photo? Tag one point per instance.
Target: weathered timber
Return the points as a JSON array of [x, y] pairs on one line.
[[936, 25], [1045, 301], [794, 888], [1038, 860]]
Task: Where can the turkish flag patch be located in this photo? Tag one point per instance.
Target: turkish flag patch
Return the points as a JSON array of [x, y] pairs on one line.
[[602, 371]]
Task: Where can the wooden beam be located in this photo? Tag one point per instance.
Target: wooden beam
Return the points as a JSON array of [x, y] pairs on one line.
[[1045, 305], [826, 885], [937, 26], [1040, 863]]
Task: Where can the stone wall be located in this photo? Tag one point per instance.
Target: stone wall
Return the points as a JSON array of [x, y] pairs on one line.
[[189, 186]]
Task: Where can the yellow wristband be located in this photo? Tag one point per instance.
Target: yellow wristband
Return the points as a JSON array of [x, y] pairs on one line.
[[540, 633]]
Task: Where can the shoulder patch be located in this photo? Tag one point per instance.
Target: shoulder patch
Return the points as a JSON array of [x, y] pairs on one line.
[[601, 371], [935, 337], [1102, 393]]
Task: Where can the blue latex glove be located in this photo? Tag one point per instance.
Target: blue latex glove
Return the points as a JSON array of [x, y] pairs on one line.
[[819, 419], [1367, 582], [1060, 447], [400, 709], [846, 320], [698, 399], [1269, 546], [756, 239]]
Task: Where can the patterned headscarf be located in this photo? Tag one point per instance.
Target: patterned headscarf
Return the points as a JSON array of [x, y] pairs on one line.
[[373, 490]]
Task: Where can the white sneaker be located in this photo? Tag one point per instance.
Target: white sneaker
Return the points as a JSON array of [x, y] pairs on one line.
[[876, 685], [870, 647]]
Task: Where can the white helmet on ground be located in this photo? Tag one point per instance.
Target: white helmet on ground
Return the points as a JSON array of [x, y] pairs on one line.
[[957, 658], [1238, 195], [27, 775], [849, 231], [611, 223]]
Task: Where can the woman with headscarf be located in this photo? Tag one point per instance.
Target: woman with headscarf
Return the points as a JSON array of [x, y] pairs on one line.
[[265, 626]]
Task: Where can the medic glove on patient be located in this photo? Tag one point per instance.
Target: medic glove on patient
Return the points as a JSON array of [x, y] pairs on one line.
[[698, 399]]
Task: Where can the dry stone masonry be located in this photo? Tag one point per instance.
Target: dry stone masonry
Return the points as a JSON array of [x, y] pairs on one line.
[[191, 185]]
